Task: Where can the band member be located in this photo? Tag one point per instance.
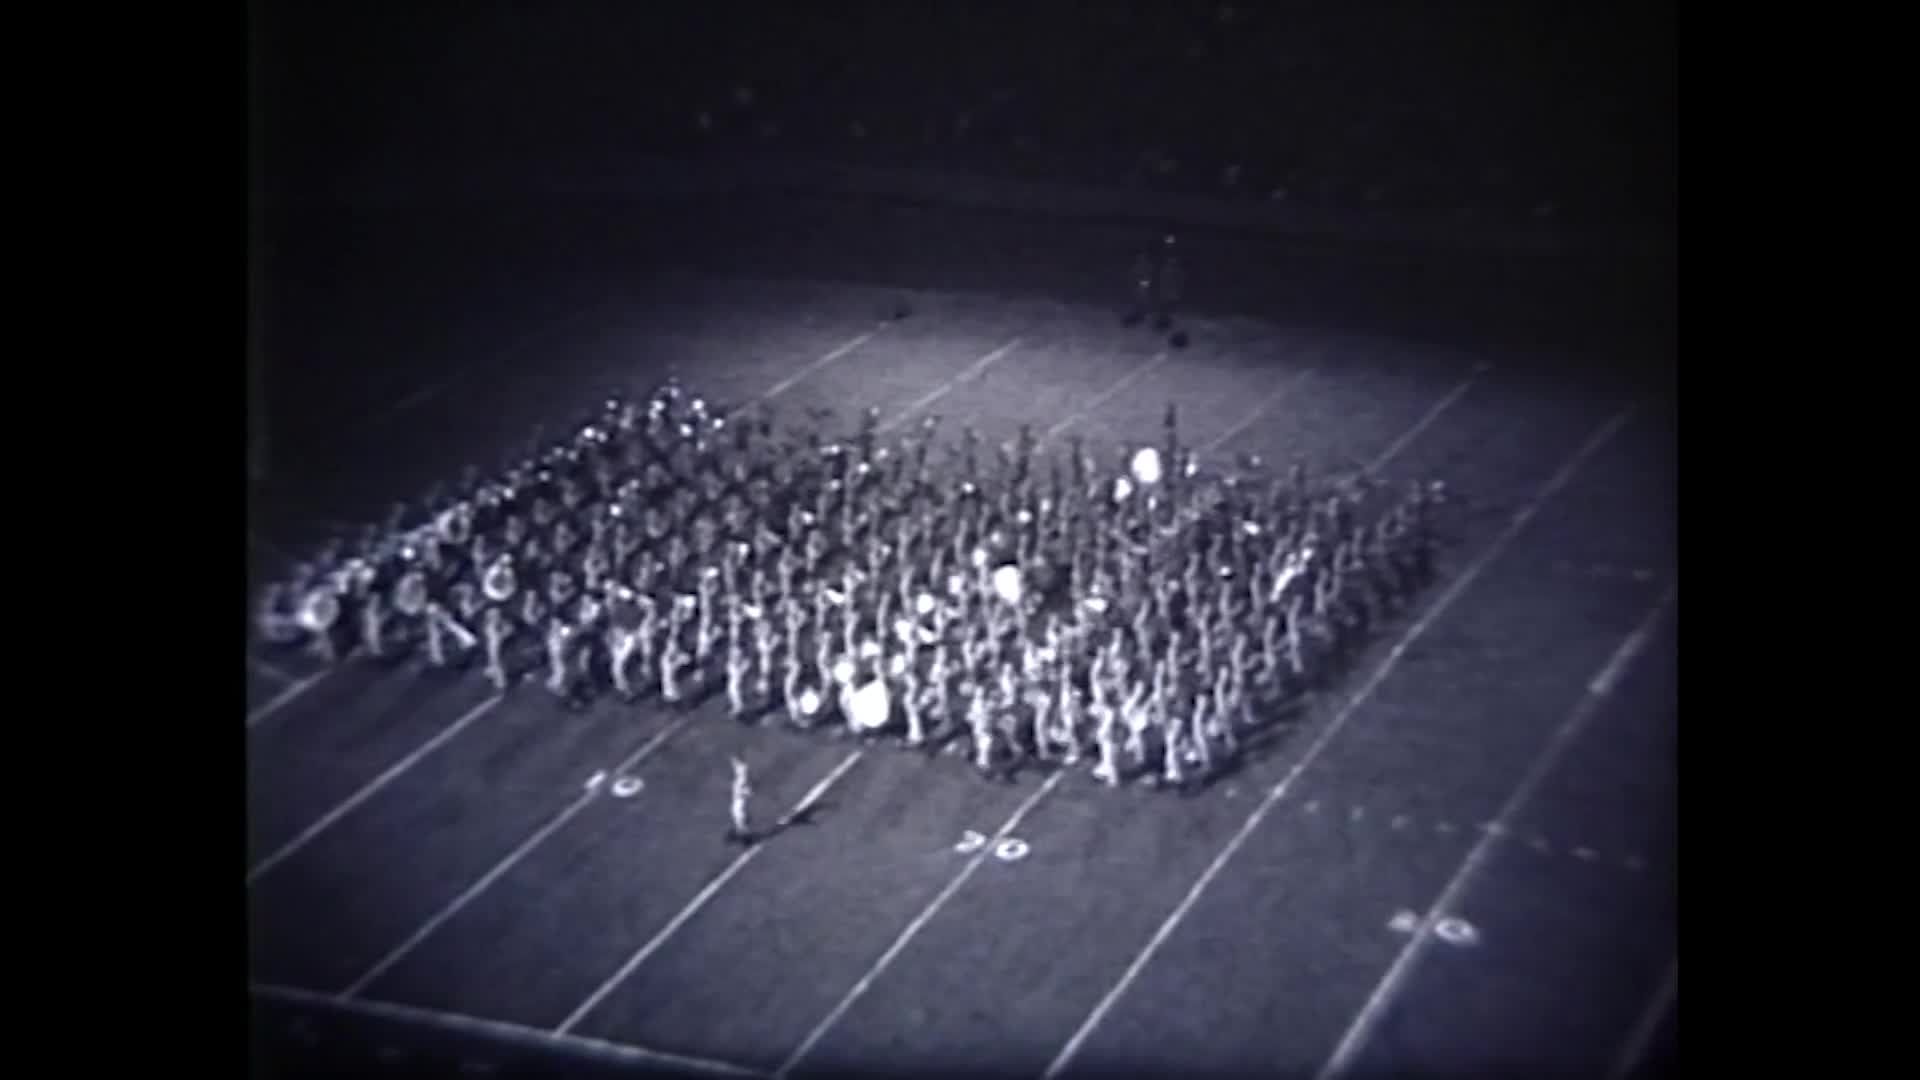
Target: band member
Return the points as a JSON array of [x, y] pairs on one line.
[[912, 702], [1273, 651], [499, 582], [1199, 732], [467, 602], [597, 567], [1326, 595], [440, 626], [319, 613], [1066, 708], [276, 617], [373, 623], [646, 646], [1226, 710], [533, 609], [625, 627], [795, 691], [559, 638], [1138, 713], [497, 628], [671, 661], [738, 666], [1296, 637], [980, 720], [410, 594], [740, 827], [765, 640], [1171, 745], [1106, 737], [940, 685], [706, 631], [822, 653], [1040, 730]]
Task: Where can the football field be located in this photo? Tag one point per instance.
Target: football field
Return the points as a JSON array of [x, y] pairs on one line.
[[1461, 856]]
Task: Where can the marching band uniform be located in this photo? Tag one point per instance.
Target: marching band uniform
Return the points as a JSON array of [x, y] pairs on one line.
[[740, 826], [603, 522]]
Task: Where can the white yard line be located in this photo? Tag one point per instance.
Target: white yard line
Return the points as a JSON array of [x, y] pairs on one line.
[[1634, 1051], [538, 837], [500, 869], [839, 351], [1106, 395], [1394, 981], [972, 371], [913, 929], [285, 697], [1427, 420], [547, 328], [513, 1033], [1279, 791], [693, 907], [1290, 383], [372, 788]]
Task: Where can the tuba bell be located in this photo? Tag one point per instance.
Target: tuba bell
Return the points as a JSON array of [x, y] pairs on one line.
[[499, 583], [455, 523], [319, 610], [410, 595]]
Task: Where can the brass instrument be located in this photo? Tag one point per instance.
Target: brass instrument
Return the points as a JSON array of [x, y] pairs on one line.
[[319, 610], [500, 583], [410, 595]]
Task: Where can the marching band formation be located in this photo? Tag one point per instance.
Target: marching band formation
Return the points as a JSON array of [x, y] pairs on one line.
[[1031, 610]]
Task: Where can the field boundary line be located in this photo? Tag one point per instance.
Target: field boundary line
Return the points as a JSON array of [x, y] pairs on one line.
[[502, 1030]]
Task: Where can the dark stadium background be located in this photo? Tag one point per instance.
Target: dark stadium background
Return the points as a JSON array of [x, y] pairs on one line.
[[469, 219]]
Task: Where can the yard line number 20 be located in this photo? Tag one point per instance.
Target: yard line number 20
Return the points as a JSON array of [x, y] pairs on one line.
[[1010, 849]]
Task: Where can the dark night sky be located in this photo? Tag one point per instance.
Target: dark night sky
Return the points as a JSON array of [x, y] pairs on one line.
[[1580, 90]]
